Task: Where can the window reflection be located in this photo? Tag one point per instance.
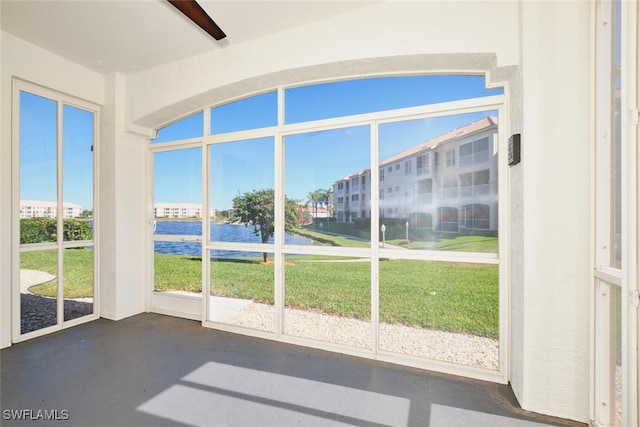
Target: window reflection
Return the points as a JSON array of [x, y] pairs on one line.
[[441, 188]]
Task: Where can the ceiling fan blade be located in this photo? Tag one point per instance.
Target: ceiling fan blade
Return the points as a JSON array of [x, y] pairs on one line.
[[194, 11]]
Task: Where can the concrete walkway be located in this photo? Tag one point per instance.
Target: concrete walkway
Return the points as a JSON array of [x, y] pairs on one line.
[[30, 278]]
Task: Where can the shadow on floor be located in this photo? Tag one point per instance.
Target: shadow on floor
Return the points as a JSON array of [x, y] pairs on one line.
[[154, 370]]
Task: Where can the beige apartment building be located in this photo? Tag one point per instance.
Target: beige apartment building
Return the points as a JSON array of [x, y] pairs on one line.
[[446, 184], [40, 209]]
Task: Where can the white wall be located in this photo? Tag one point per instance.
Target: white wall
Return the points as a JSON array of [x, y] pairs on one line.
[[124, 209], [556, 215], [391, 36]]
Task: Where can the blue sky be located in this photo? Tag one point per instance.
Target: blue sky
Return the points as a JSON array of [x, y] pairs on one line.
[[38, 164], [312, 161]]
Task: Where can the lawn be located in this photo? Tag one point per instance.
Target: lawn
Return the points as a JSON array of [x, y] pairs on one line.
[[447, 296], [78, 271], [436, 243]]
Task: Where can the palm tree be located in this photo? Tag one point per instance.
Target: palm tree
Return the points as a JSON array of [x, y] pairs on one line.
[[328, 199], [314, 197]]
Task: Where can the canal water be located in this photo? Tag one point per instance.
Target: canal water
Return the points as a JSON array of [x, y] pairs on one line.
[[219, 233]]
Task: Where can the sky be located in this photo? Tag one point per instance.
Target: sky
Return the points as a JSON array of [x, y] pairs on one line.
[[38, 152], [313, 160]]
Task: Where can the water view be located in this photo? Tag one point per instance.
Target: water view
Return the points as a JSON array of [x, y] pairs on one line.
[[219, 233]]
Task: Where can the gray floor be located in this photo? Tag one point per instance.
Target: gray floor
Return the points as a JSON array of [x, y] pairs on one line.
[[153, 370]]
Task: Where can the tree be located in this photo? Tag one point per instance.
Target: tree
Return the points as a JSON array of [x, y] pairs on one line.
[[328, 199], [256, 208], [314, 198]]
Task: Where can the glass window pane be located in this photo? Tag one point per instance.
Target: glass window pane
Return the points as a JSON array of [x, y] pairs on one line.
[[249, 113], [328, 100], [178, 191], [616, 149], [38, 169], [328, 174], [177, 267], [242, 290], [78, 283], [242, 189], [38, 289], [438, 206], [77, 165], [440, 310], [188, 127], [328, 299]]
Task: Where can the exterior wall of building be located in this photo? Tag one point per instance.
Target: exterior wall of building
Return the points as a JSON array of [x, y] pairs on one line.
[[441, 188], [177, 210], [39, 209]]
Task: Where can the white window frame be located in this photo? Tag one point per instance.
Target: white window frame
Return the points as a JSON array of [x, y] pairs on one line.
[[374, 121], [61, 99], [609, 279]]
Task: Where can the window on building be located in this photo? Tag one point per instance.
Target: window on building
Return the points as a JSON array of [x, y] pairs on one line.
[[475, 183], [407, 167], [447, 219], [355, 184], [422, 164], [474, 152], [475, 217], [451, 158], [381, 175], [424, 186]]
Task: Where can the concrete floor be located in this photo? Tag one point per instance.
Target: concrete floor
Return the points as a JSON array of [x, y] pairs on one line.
[[153, 370]]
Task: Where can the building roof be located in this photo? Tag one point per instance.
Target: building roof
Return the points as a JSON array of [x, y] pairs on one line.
[[457, 133]]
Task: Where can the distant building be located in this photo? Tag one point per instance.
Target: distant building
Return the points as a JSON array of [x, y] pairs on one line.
[[447, 184], [40, 209], [179, 210]]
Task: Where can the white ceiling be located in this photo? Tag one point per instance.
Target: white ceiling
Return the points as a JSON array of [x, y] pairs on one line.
[[126, 36]]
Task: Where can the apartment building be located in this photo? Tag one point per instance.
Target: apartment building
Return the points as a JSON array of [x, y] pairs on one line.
[[446, 184], [40, 209], [179, 210]]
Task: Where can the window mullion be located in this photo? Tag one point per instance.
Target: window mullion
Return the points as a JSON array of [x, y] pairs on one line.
[[60, 208]]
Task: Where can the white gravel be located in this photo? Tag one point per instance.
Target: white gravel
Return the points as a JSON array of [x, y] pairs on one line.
[[436, 345]]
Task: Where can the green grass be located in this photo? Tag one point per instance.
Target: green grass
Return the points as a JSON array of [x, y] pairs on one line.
[[175, 272], [78, 271], [436, 243], [447, 296], [332, 240], [457, 243]]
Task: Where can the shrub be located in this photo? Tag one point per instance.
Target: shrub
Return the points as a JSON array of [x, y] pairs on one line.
[[38, 230]]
